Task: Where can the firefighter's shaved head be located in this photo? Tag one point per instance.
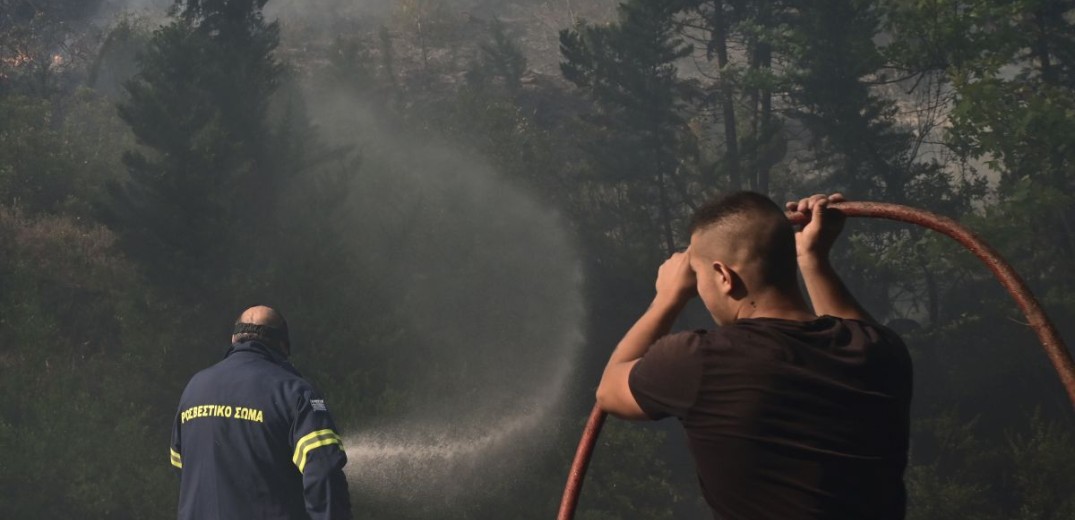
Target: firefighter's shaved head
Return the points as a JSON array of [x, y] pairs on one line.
[[263, 315], [264, 324], [749, 232]]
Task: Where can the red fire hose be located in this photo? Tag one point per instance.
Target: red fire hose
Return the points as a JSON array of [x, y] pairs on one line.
[[1050, 340]]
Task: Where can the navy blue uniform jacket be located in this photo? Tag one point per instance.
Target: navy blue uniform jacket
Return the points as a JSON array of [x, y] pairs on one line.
[[253, 440]]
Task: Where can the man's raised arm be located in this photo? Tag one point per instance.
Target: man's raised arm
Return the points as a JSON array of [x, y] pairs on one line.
[[675, 286], [828, 294]]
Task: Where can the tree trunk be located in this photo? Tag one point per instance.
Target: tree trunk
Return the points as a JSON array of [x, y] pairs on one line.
[[932, 294], [1041, 46], [719, 46], [666, 215], [765, 163], [762, 107], [755, 138], [662, 188]]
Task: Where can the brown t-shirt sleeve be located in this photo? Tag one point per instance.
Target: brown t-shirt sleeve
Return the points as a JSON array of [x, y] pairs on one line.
[[665, 380]]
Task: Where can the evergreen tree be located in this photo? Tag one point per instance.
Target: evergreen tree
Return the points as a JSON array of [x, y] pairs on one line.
[[643, 150], [855, 135], [861, 143], [204, 173], [502, 57], [744, 39]]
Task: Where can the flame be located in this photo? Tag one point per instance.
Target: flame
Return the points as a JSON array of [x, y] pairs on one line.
[[20, 58]]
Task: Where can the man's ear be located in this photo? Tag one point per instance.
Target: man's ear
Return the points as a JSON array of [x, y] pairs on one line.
[[724, 278]]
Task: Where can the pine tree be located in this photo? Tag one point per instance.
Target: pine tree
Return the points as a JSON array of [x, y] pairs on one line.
[[502, 57], [629, 70], [198, 107]]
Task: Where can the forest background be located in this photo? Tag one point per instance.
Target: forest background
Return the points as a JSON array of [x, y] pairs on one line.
[[160, 171]]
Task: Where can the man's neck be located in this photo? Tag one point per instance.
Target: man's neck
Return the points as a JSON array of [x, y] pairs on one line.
[[272, 350], [773, 303]]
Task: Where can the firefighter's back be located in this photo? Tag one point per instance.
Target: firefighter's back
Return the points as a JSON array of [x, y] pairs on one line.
[[234, 426]]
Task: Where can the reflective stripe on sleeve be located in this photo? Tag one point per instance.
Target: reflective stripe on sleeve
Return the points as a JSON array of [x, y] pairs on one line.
[[311, 441], [177, 461]]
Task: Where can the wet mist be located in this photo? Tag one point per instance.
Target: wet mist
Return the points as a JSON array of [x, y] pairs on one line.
[[489, 286]]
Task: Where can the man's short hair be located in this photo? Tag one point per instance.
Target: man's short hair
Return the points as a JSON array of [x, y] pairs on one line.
[[752, 220]]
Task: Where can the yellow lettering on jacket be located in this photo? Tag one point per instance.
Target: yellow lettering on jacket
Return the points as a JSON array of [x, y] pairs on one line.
[[220, 410]]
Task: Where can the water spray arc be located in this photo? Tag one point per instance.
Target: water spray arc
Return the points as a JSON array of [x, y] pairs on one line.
[[1054, 346]]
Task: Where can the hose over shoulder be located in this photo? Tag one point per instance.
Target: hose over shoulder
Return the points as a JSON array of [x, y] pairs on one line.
[[1039, 322]]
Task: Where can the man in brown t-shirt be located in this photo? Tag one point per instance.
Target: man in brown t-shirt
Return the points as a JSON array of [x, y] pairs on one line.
[[790, 412]]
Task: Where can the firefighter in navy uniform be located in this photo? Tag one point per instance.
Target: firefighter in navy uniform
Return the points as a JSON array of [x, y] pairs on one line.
[[253, 440]]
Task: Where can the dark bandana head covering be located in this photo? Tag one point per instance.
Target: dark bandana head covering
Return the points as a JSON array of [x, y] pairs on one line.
[[264, 331]]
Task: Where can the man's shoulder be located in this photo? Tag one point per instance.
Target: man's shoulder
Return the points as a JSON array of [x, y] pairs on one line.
[[823, 325], [769, 337], [870, 335], [729, 336], [879, 332], [689, 343], [867, 344], [698, 337], [263, 373]]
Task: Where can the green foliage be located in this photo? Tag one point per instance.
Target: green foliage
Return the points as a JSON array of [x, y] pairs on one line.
[[955, 470], [198, 107], [641, 150], [501, 58], [100, 329], [31, 173], [116, 61], [857, 134], [74, 326], [56, 155], [1012, 90], [628, 479], [1011, 123], [1043, 461]]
